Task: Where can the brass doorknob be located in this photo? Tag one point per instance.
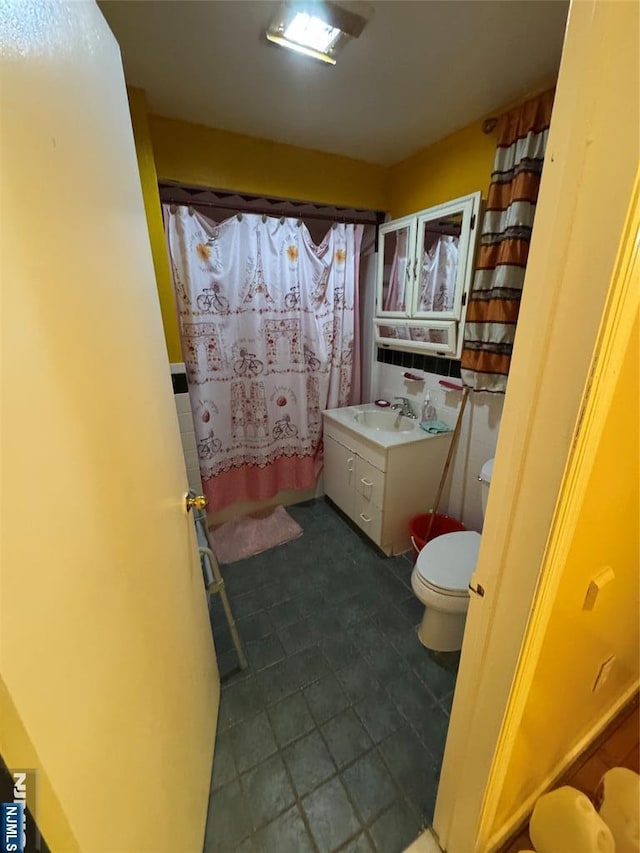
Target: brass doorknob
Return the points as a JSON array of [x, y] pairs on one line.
[[193, 501]]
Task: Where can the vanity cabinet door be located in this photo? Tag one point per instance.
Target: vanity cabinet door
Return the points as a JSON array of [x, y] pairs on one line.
[[339, 475]]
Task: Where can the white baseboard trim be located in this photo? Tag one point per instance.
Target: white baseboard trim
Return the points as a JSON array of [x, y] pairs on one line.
[[425, 843], [517, 820]]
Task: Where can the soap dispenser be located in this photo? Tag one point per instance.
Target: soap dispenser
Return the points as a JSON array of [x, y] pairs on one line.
[[428, 410]]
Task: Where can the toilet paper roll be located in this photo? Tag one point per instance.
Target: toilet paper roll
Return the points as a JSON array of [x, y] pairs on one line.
[[620, 809], [565, 820]]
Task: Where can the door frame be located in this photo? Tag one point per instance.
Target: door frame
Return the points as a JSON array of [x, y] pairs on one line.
[[623, 303], [563, 372]]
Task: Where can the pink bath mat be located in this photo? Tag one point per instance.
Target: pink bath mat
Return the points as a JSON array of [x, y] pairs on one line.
[[245, 537]]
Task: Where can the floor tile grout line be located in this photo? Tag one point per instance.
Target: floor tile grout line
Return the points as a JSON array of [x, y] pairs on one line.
[[317, 643], [351, 702], [339, 771], [233, 760], [348, 764], [302, 603], [298, 799], [383, 561], [309, 617], [298, 805]]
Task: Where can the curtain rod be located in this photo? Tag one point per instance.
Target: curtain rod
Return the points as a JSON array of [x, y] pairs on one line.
[[490, 123], [375, 219]]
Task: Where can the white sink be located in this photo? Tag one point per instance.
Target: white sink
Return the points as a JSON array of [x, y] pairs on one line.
[[387, 421], [384, 428]]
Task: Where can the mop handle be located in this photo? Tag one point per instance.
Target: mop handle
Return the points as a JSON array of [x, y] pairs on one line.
[[452, 447]]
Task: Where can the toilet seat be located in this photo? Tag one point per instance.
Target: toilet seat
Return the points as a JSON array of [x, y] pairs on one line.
[[450, 593], [446, 563]]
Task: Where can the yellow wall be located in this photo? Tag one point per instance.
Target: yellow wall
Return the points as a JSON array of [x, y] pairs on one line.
[[456, 165], [561, 707], [169, 149], [204, 156], [149, 182], [193, 154]]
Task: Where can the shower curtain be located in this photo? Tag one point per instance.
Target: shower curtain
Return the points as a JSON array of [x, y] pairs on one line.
[[268, 322]]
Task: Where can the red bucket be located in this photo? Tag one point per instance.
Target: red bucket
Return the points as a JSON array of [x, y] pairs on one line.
[[441, 524]]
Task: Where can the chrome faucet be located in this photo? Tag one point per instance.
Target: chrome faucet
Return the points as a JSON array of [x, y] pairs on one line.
[[404, 408]]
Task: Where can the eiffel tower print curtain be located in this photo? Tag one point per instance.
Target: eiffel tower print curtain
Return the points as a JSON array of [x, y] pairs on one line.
[[268, 326]]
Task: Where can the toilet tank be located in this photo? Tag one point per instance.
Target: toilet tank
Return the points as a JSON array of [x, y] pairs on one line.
[[485, 480]]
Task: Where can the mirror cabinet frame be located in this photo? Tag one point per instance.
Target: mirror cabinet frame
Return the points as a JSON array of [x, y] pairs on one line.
[[410, 315]]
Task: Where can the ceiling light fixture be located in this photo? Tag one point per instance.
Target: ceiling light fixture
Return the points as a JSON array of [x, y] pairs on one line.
[[317, 29]]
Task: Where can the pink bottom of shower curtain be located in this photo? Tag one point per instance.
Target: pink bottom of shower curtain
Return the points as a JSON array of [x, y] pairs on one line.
[[252, 483]]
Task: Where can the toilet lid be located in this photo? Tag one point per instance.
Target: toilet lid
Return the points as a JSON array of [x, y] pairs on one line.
[[449, 561], [486, 472]]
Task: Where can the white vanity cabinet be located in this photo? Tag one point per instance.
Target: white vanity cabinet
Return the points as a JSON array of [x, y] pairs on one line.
[[340, 473], [379, 480], [424, 272]]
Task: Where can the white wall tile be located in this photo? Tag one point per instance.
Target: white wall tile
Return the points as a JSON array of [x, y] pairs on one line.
[[191, 459], [183, 403], [186, 421], [462, 497], [195, 483], [189, 443]]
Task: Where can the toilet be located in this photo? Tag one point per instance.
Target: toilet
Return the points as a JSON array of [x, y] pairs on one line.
[[441, 578]]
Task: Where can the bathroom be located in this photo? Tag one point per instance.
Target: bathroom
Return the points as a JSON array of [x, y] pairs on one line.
[[286, 749], [333, 738], [108, 670]]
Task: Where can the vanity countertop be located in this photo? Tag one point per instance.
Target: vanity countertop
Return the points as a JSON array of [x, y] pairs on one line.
[[347, 418]]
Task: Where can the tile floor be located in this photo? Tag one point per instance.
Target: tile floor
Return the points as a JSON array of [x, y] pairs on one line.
[[333, 739], [618, 746]]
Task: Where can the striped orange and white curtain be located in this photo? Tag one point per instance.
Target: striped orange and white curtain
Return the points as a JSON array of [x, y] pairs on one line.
[[494, 302]]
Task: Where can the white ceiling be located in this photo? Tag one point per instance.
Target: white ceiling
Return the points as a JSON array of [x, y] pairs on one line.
[[419, 71]]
